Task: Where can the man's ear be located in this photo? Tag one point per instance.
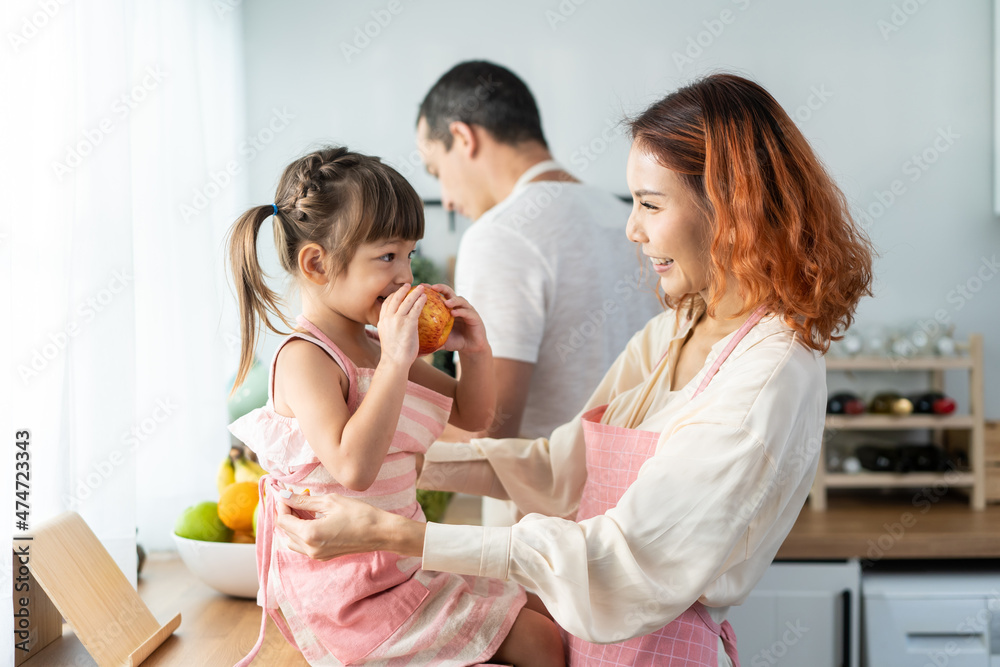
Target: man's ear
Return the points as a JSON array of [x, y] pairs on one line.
[[464, 138], [312, 264]]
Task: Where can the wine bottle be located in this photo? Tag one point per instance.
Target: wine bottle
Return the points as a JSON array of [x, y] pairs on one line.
[[845, 403], [878, 458], [852, 466], [933, 403], [924, 458], [890, 403]]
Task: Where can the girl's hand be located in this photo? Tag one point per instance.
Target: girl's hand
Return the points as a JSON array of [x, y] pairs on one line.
[[468, 334], [397, 325]]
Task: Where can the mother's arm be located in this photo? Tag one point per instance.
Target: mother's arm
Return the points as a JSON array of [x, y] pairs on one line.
[[632, 570], [618, 575], [345, 526], [545, 475], [519, 469]]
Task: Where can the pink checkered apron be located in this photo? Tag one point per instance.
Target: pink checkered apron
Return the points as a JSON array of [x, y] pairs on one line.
[[614, 456]]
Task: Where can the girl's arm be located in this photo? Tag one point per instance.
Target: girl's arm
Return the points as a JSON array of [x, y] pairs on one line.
[[353, 447], [474, 393]]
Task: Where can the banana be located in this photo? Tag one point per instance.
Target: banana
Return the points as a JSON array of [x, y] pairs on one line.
[[247, 470], [226, 475], [256, 467]]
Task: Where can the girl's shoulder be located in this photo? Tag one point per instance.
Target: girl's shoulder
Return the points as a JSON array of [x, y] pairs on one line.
[[299, 351], [304, 360]]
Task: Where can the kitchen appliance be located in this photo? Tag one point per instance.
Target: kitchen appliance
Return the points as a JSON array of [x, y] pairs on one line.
[[915, 619]]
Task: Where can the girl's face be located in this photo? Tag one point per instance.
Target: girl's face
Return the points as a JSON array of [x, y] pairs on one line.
[[376, 271], [668, 225]]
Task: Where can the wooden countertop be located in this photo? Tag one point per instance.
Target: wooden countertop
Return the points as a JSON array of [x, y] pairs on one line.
[[216, 630], [873, 526], [219, 630]]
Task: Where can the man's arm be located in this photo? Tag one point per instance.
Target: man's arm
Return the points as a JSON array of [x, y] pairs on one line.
[[512, 381]]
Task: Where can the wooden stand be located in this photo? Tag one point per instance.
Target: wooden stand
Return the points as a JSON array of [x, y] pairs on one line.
[[72, 572], [974, 423]]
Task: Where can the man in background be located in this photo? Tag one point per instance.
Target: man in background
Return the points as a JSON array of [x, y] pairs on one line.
[[546, 263]]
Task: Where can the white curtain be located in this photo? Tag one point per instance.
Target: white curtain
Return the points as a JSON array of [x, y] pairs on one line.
[[189, 186], [121, 174]]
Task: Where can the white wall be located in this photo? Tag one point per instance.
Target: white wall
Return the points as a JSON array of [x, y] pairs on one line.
[[885, 94]]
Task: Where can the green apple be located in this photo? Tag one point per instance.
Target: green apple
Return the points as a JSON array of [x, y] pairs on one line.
[[201, 522]]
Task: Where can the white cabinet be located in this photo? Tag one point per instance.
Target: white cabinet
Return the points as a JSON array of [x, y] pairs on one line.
[[932, 618], [801, 615]]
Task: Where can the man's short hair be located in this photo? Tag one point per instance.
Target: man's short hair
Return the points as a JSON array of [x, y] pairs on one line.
[[481, 93]]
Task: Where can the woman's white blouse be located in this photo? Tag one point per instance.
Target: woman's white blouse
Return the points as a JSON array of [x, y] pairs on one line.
[[702, 521]]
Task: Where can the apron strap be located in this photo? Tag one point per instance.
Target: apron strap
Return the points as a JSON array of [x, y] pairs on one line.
[[740, 333], [263, 566], [729, 642], [265, 533], [723, 631], [536, 170]]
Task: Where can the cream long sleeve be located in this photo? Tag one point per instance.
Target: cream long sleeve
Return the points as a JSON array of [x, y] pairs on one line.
[[702, 521]]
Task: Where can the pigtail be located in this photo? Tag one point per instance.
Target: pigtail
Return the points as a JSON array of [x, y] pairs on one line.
[[255, 298]]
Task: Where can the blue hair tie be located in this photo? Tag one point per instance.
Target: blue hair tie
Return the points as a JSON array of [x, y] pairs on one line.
[[275, 207]]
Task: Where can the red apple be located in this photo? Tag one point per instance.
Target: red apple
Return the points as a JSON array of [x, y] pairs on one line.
[[435, 322]]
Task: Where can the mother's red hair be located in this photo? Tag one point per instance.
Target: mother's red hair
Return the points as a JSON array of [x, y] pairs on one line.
[[782, 228]]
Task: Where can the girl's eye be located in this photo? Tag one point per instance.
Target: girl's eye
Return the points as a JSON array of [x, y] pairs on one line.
[[413, 253], [388, 257]]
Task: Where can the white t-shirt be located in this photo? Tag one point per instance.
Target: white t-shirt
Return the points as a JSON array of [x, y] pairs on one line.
[[559, 285]]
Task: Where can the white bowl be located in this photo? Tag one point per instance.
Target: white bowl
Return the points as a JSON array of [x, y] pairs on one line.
[[227, 567]]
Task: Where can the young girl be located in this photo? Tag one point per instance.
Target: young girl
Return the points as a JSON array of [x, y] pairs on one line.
[[347, 413]]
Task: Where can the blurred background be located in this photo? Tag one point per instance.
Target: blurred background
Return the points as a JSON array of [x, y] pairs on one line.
[[136, 133]]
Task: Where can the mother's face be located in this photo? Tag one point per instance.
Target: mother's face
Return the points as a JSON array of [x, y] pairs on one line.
[[668, 224]]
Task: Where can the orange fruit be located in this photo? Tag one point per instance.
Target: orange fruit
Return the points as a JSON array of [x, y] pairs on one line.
[[236, 505], [239, 537]]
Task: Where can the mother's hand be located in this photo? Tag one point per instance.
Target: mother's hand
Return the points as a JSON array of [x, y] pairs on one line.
[[345, 526]]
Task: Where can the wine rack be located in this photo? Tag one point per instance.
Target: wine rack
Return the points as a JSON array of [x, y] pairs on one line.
[[970, 358]]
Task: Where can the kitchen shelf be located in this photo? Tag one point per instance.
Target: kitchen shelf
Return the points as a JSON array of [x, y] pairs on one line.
[[897, 364], [970, 359], [897, 480], [893, 422]]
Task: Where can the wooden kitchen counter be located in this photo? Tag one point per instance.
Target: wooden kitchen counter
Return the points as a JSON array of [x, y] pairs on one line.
[[219, 630], [876, 527], [216, 630]]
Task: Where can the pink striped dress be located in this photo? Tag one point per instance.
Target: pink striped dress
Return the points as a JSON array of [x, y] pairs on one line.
[[376, 608]]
